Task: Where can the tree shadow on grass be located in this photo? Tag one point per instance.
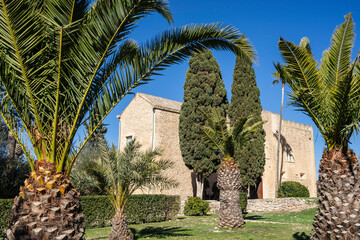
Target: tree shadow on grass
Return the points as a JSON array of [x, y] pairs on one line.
[[301, 236], [255, 217], [159, 232]]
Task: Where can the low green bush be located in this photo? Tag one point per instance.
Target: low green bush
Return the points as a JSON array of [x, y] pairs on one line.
[[243, 201], [99, 212], [195, 206], [292, 189]]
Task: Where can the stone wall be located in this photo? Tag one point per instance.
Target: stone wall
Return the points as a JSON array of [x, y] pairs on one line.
[[297, 156], [268, 205]]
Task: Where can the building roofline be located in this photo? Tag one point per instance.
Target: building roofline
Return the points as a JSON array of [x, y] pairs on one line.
[[174, 110]]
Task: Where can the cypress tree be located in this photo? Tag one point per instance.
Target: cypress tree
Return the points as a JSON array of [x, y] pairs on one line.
[[245, 102], [203, 90]]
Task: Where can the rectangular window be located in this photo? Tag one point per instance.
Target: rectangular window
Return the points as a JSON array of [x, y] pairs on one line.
[[129, 139]]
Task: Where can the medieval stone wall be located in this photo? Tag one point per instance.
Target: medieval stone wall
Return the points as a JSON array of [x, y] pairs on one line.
[[297, 156], [167, 139], [136, 121], [267, 205]]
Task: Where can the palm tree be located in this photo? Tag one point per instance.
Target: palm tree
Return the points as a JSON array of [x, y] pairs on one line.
[[227, 141], [329, 94], [64, 63], [121, 173], [279, 75]]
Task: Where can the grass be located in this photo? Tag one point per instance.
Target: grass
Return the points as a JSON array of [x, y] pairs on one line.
[[279, 226]]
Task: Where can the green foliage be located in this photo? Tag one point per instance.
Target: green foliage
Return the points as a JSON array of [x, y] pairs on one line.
[[327, 92], [13, 168], [195, 206], [99, 212], [203, 90], [85, 183], [121, 173], [243, 201], [5, 210], [66, 63], [227, 141], [245, 102], [293, 189]]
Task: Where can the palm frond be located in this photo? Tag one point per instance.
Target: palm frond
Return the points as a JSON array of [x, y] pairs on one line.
[[307, 93], [65, 63], [330, 95], [121, 173], [336, 60]]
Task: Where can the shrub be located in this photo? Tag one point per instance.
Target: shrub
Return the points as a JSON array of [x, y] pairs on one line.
[[5, 209], [292, 189], [99, 212], [195, 206], [243, 201]]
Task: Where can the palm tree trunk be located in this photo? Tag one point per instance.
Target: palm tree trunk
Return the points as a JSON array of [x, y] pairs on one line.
[[229, 184], [47, 207], [279, 138], [120, 229], [338, 188]]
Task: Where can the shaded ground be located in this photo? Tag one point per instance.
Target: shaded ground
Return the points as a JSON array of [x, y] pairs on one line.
[[279, 226]]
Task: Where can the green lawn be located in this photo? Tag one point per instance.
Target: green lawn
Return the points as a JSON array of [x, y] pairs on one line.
[[279, 226]]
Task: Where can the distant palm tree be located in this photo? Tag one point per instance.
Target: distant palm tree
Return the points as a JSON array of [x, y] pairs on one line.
[[121, 173], [329, 94], [228, 181], [281, 75], [64, 63]]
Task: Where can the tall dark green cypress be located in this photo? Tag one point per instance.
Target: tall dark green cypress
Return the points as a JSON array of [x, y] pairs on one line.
[[245, 102], [203, 90]]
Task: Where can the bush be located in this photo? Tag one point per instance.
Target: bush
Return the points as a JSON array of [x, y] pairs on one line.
[[195, 206], [292, 189], [5, 209], [243, 201], [99, 212]]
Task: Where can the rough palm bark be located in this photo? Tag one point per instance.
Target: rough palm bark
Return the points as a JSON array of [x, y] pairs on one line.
[[120, 228], [338, 215], [46, 208], [229, 184]]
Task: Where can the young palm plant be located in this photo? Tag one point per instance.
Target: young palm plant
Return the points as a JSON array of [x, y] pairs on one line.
[[228, 180], [121, 173], [329, 94], [64, 63]]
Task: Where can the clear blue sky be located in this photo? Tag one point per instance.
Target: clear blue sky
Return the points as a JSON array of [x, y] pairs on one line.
[[263, 22]]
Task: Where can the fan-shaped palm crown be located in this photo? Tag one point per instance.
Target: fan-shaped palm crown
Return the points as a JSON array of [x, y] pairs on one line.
[[65, 63], [328, 93], [224, 139], [121, 173]]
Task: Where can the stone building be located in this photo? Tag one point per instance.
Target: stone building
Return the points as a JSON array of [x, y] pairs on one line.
[[154, 122]]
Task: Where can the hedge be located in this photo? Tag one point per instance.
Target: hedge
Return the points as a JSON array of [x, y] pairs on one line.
[[99, 212], [243, 201], [292, 189]]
